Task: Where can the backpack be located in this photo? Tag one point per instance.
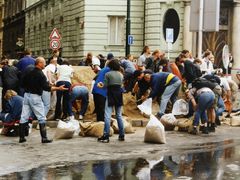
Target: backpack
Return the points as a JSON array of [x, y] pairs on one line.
[[203, 82]]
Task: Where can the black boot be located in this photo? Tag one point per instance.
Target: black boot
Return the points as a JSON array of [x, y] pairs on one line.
[[43, 132], [26, 132], [104, 139], [205, 130], [22, 128], [212, 127]]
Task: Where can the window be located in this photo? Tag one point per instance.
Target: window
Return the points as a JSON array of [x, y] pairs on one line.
[[116, 30]]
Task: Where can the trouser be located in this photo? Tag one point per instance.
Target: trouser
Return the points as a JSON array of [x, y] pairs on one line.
[[33, 104], [80, 92], [205, 101], [220, 107], [170, 92], [99, 102], [63, 100], [107, 119], [46, 98]]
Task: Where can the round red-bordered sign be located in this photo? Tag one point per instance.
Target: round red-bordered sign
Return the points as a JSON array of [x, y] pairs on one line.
[[55, 44]]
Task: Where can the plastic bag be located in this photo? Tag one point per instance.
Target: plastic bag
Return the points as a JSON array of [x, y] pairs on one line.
[[180, 107], [66, 130], [146, 107], [235, 121], [155, 132]]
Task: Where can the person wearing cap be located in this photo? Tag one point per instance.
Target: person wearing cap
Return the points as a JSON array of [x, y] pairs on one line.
[[109, 58]]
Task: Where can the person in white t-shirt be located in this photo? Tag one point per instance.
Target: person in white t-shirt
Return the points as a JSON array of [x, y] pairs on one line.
[[227, 94], [65, 72], [207, 65]]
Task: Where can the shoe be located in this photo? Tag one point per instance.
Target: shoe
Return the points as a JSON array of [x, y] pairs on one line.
[[69, 118], [211, 128], [194, 131], [121, 138], [228, 116], [201, 128], [159, 116], [43, 132], [218, 122], [80, 117], [22, 130], [104, 139], [205, 130]]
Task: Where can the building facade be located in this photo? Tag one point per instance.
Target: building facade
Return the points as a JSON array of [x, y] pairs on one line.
[[1, 24], [14, 28], [99, 27]]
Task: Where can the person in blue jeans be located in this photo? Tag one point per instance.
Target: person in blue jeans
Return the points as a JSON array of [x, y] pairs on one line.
[[113, 81], [204, 101], [79, 92]]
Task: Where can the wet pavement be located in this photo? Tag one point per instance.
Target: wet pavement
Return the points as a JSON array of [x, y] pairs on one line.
[[214, 156], [221, 163]]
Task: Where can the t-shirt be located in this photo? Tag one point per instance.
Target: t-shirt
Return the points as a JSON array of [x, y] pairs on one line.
[[65, 73], [113, 78], [53, 69], [206, 66], [128, 66], [225, 84]]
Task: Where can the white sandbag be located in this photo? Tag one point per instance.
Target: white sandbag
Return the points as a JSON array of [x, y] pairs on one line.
[[235, 121], [154, 132], [169, 122], [128, 129], [66, 130], [146, 107], [180, 107]]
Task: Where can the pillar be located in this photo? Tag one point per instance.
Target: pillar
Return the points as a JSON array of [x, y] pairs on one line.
[[187, 35], [236, 34]]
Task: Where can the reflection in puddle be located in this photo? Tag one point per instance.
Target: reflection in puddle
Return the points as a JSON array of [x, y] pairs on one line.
[[221, 163]]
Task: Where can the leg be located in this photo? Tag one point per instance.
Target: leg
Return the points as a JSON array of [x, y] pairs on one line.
[[66, 100], [46, 101], [168, 92], [58, 109], [85, 100], [118, 111]]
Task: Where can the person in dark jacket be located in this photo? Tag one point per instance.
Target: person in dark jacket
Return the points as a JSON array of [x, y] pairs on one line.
[[164, 85], [152, 63], [13, 107]]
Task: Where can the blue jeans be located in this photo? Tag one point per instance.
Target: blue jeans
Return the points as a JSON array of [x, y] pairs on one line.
[[63, 105], [80, 92], [107, 119], [205, 101], [220, 107], [46, 98], [33, 104], [170, 92]]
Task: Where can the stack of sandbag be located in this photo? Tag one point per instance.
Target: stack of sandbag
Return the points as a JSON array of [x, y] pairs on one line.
[[235, 121], [66, 130], [169, 122], [128, 129], [93, 129], [155, 132]]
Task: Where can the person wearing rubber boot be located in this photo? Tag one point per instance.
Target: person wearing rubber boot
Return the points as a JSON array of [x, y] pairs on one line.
[[34, 83]]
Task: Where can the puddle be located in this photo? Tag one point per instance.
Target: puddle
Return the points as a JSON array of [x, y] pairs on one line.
[[221, 163]]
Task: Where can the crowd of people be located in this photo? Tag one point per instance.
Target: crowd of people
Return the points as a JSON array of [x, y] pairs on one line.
[[30, 88]]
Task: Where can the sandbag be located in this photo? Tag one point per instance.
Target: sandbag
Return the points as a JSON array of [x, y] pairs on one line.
[[66, 130], [146, 107], [235, 121], [93, 129], [154, 132], [128, 129], [180, 107], [169, 122], [184, 124]]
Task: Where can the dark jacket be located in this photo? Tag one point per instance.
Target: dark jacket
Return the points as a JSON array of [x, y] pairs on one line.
[[152, 65], [10, 77], [191, 71]]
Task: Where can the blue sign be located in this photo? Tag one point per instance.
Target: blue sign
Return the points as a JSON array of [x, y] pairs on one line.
[[130, 39]]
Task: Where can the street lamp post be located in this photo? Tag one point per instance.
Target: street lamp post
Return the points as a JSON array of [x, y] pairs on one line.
[[128, 27]]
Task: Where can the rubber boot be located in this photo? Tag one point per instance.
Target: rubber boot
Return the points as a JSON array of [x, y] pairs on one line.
[[22, 128], [43, 132], [26, 129]]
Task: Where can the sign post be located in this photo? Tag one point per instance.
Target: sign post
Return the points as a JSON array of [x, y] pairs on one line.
[[169, 40], [55, 37]]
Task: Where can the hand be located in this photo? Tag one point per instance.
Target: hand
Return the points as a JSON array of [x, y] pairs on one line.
[[100, 85], [62, 88]]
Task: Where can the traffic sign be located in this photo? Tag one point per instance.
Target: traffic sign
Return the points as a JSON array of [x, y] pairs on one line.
[[169, 35], [130, 39], [55, 44], [54, 34]]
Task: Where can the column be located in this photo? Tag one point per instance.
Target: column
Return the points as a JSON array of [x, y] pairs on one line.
[[187, 35], [236, 34]]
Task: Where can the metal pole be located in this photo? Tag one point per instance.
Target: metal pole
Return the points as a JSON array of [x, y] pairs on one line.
[[128, 27], [200, 31]]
